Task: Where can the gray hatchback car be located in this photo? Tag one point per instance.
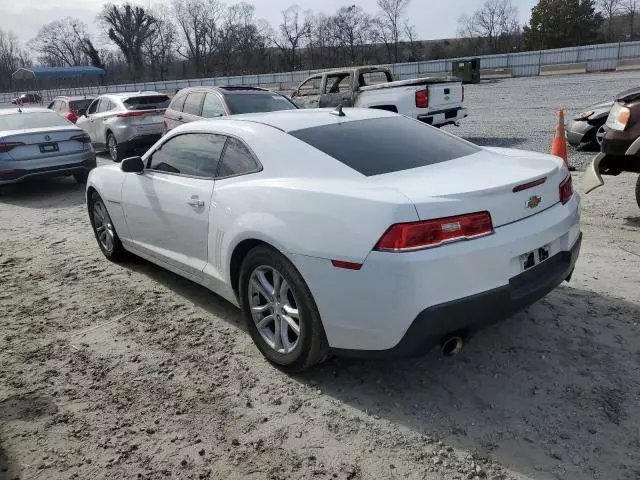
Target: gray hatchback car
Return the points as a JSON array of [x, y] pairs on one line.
[[122, 122]]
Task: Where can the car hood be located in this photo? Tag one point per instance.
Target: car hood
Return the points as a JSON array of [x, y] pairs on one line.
[[629, 95]]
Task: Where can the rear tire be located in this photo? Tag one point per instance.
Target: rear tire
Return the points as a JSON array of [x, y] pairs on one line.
[[115, 151], [104, 231], [280, 313], [638, 191], [81, 177]]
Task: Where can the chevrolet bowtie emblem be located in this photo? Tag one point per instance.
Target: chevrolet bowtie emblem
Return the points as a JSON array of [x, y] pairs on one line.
[[534, 201]]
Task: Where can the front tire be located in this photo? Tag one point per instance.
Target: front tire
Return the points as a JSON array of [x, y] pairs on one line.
[[103, 229], [280, 313], [116, 152], [638, 191]]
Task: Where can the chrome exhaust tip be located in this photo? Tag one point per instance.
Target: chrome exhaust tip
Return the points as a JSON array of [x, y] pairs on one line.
[[451, 345]]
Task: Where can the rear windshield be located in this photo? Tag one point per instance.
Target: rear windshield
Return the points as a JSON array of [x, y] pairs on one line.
[[26, 120], [150, 102], [258, 102], [80, 104], [384, 145]]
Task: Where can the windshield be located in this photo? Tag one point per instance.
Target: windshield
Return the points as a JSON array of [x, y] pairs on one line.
[[26, 120], [150, 102], [258, 102], [79, 105], [385, 145]]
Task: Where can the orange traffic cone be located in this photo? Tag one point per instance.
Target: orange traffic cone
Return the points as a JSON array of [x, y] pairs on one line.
[[559, 142]]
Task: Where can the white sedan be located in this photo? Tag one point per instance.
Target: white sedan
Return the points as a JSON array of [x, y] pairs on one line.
[[357, 232]]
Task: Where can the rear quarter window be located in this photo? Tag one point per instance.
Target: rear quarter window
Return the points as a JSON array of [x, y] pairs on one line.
[[385, 145]]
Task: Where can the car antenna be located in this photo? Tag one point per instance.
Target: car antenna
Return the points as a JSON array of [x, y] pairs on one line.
[[338, 111]]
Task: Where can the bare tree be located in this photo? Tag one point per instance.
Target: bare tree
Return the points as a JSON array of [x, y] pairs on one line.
[[198, 21], [12, 57], [630, 8], [293, 29], [610, 9], [392, 16], [59, 43], [160, 47], [129, 27], [412, 36], [351, 30], [494, 22]]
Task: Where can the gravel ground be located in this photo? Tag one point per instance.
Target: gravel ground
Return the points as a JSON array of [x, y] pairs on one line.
[[521, 112], [128, 371]]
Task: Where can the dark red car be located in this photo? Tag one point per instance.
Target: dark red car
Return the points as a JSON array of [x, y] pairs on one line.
[[620, 148], [70, 108]]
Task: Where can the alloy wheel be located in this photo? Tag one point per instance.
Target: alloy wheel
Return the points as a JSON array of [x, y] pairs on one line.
[[104, 227], [274, 309]]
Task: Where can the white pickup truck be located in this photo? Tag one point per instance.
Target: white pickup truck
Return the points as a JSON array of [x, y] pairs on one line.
[[433, 100]]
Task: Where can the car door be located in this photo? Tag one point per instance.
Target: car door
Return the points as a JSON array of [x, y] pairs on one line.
[[337, 90], [87, 122], [105, 107], [167, 206], [308, 93], [173, 114]]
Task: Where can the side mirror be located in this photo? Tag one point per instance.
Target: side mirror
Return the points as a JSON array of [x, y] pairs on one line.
[[294, 94], [132, 165]]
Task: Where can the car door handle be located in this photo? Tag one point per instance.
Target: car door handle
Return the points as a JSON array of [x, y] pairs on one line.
[[180, 117], [195, 203]]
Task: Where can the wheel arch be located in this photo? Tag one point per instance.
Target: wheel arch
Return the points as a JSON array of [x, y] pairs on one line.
[[238, 255]]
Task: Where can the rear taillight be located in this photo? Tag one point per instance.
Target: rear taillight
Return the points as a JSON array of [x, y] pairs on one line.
[[71, 116], [566, 189], [422, 99], [8, 146], [403, 237], [132, 114], [83, 138]]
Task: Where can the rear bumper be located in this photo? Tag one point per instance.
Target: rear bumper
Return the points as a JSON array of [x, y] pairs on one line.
[[142, 141], [10, 175], [483, 309], [444, 117]]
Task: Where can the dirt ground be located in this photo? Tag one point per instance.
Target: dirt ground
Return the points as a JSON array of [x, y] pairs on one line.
[[110, 371]]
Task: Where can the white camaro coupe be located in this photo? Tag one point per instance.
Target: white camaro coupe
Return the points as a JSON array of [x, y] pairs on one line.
[[357, 232]]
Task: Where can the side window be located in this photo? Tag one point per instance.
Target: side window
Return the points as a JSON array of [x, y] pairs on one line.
[[212, 106], [177, 103], [195, 154], [63, 106], [93, 107], [338, 84], [236, 160], [105, 105], [373, 78], [193, 103], [310, 87]]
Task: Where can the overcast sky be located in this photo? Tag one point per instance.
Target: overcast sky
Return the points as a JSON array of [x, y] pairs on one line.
[[433, 18]]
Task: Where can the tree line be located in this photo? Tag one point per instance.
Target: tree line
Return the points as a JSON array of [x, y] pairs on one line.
[[205, 38]]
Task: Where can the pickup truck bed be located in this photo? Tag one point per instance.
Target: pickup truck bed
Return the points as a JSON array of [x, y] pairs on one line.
[[433, 100]]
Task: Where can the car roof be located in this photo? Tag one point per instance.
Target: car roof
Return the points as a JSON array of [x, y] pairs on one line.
[[291, 120], [125, 95], [11, 111], [75, 97], [228, 89]]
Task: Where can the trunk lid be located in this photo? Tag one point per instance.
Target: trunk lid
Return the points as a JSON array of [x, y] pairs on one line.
[[42, 143], [484, 181]]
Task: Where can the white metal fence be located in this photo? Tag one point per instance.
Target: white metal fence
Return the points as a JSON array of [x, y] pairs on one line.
[[597, 58]]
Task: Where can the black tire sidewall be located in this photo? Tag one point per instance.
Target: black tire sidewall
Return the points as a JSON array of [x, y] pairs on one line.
[[312, 341], [119, 153], [638, 191]]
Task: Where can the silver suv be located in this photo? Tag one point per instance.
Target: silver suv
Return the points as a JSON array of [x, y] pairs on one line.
[[122, 122]]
